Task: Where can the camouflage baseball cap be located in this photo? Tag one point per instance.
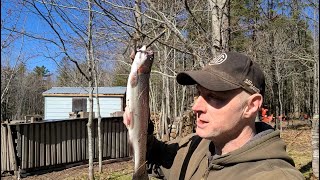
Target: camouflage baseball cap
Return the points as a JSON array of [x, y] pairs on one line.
[[227, 71]]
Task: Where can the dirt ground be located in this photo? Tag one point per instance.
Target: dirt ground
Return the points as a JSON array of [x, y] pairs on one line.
[[297, 137], [111, 169]]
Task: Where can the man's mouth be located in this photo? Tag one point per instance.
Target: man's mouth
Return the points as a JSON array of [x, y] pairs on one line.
[[201, 123]]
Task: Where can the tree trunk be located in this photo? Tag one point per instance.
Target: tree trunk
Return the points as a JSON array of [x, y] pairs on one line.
[[182, 109], [281, 114], [154, 108], [99, 119], [167, 84], [90, 134], [316, 66], [315, 146], [219, 26], [175, 93], [296, 107], [138, 24], [99, 134], [274, 65], [90, 68], [315, 124]]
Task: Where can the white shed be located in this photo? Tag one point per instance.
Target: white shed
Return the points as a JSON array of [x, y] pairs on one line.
[[60, 101]]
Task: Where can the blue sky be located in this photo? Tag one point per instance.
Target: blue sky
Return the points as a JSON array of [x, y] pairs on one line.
[[36, 51], [32, 49], [37, 47], [39, 50]]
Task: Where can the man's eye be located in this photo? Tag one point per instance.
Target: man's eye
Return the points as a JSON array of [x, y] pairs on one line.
[[212, 96], [215, 98]]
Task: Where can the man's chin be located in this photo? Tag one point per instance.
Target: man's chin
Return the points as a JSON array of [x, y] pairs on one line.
[[201, 133], [205, 135]]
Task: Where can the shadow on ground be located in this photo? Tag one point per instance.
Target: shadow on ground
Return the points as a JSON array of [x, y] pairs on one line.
[[308, 169]]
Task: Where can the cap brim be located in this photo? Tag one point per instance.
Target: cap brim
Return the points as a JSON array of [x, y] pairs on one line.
[[206, 80]]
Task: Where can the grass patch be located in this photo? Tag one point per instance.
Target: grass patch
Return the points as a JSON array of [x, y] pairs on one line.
[[121, 174], [116, 176], [303, 162], [298, 140]]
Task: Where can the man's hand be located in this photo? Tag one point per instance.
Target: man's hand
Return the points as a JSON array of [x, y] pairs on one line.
[[126, 117], [127, 121]]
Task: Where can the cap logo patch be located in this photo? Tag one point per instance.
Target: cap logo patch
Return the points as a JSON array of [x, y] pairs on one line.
[[219, 59], [251, 86]]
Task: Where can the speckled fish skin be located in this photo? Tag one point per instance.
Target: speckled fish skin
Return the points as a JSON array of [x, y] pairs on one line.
[[137, 102]]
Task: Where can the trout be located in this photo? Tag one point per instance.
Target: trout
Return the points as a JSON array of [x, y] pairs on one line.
[[137, 102]]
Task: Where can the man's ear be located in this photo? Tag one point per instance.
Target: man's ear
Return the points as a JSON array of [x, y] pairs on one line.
[[253, 105]]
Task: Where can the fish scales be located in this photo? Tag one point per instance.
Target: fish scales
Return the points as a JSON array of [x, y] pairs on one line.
[[139, 112]]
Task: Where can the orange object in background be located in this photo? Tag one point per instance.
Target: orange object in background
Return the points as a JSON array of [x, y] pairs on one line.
[[264, 112], [267, 119]]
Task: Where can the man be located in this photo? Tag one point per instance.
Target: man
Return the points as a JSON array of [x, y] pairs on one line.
[[228, 143]]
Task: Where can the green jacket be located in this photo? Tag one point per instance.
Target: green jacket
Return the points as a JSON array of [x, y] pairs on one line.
[[263, 157]]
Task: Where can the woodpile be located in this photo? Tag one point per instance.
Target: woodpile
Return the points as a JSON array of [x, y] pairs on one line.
[[32, 118], [180, 126]]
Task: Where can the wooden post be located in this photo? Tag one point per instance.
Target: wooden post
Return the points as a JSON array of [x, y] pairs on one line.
[[13, 160]]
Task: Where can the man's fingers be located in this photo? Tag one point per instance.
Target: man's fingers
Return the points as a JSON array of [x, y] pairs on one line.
[[126, 117]]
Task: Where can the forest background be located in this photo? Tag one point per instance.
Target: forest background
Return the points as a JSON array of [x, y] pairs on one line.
[[282, 36]]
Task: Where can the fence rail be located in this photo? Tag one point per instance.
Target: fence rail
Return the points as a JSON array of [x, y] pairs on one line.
[[28, 146]]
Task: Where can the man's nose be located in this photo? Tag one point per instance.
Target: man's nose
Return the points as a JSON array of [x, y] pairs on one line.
[[199, 105]]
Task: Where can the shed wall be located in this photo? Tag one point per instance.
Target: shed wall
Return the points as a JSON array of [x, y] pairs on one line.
[[59, 107], [107, 105]]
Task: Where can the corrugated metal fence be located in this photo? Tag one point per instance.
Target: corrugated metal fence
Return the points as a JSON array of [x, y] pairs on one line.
[[8, 159], [53, 143]]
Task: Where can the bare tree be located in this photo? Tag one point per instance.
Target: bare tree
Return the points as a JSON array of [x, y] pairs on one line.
[[9, 22], [90, 62], [315, 125], [219, 25]]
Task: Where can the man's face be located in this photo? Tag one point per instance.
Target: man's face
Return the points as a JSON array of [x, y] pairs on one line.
[[219, 113]]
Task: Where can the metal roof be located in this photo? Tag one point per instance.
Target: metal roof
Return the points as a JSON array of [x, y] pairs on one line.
[[84, 90]]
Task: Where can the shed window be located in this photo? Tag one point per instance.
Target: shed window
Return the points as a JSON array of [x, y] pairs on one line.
[[79, 104]]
